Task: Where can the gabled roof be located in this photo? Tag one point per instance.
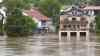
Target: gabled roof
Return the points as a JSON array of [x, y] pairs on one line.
[[73, 11], [36, 14], [79, 11]]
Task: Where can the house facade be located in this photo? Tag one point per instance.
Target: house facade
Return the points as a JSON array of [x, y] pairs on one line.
[[76, 22]]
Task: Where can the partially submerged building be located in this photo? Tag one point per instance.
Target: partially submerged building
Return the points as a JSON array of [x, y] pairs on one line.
[[76, 22], [38, 17]]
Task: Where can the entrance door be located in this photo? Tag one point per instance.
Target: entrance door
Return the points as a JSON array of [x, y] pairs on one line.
[[82, 36], [64, 36], [73, 36]]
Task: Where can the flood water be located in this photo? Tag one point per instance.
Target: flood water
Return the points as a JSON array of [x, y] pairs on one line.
[[46, 45]]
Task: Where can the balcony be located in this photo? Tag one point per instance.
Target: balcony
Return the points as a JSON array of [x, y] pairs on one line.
[[74, 27], [74, 22]]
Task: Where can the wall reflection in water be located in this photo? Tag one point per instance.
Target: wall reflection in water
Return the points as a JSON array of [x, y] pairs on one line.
[[76, 49]]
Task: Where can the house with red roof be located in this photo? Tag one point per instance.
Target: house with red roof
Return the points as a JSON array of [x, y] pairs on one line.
[[38, 17]]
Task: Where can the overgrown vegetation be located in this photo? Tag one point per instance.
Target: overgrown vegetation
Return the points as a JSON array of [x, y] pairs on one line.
[[17, 23], [98, 23], [21, 25]]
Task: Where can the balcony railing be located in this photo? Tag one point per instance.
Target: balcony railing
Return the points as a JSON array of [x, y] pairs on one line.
[[73, 27], [73, 22]]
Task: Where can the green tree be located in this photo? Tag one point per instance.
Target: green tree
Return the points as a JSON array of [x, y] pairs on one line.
[[96, 2], [16, 22], [50, 8], [98, 23], [71, 2]]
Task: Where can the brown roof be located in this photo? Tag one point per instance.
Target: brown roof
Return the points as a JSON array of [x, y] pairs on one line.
[[36, 13]]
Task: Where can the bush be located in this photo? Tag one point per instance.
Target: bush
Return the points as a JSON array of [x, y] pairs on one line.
[[98, 23], [20, 25]]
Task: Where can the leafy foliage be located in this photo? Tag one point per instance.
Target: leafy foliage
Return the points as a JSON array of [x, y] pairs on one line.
[[22, 24], [49, 7], [16, 21], [73, 2], [98, 23], [96, 2]]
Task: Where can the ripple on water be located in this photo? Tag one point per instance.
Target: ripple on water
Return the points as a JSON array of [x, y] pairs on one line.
[[44, 45]]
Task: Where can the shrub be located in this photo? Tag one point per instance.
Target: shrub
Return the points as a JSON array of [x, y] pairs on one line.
[[21, 25]]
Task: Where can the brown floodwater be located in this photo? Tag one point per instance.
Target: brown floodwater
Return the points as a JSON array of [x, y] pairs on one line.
[[46, 45]]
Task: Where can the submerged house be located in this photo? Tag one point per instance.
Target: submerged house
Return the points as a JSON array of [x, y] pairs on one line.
[[76, 22], [38, 17]]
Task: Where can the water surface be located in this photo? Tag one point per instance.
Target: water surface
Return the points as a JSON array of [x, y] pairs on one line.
[[45, 45]]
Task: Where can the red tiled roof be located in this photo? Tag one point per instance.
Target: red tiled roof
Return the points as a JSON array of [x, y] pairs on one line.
[[37, 14]]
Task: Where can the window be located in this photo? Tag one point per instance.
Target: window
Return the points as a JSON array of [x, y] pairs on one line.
[[69, 25], [65, 26], [82, 34], [82, 19], [73, 19], [78, 26], [74, 26], [63, 33], [43, 24], [73, 34]]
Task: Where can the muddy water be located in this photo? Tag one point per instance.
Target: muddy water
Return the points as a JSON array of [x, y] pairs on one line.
[[45, 45]]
